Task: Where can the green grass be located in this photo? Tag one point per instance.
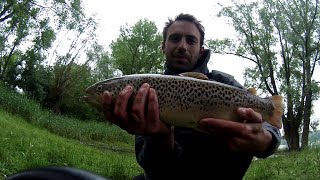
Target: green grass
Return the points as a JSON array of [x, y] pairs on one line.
[[25, 146], [287, 166], [93, 133]]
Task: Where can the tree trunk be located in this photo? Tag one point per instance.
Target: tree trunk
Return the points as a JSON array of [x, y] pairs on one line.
[[306, 120], [293, 139], [56, 94], [291, 134], [56, 108]]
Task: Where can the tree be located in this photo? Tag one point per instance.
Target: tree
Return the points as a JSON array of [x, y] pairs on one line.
[[34, 77], [282, 39], [137, 49], [66, 73], [41, 43], [72, 102], [102, 64], [28, 29], [29, 24]]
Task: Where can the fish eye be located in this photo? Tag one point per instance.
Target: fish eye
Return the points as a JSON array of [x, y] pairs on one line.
[[99, 88]]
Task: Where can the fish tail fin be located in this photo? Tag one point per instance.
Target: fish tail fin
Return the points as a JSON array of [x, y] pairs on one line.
[[276, 118]]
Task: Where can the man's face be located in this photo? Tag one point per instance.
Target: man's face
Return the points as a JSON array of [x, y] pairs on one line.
[[182, 46]]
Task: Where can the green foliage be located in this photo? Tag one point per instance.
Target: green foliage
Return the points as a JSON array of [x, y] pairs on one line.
[[103, 65], [45, 39], [35, 77], [24, 146], [221, 46], [17, 104], [72, 102], [137, 49], [65, 91], [32, 112], [10, 63], [99, 147], [29, 28], [22, 26], [69, 76]]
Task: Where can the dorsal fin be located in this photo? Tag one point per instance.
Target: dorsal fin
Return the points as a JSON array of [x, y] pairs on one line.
[[252, 91], [196, 75]]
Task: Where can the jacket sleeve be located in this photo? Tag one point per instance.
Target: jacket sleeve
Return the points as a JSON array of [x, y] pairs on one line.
[[276, 139], [152, 158]]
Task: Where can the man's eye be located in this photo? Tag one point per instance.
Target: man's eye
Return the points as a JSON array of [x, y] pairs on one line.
[[175, 38], [191, 41]]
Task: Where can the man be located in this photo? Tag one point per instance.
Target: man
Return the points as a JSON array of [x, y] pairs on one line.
[[166, 152]]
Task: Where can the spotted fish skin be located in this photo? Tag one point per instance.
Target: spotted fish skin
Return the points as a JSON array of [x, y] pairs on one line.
[[183, 101]]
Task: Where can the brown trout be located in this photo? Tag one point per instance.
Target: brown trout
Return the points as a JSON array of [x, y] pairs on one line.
[[184, 100]]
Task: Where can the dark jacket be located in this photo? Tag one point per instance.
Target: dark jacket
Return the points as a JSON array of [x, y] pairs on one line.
[[198, 155]]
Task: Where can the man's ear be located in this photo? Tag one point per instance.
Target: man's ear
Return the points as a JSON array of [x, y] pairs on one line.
[[201, 51]]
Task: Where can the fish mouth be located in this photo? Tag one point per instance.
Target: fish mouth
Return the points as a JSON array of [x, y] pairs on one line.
[[96, 101], [92, 98], [89, 99]]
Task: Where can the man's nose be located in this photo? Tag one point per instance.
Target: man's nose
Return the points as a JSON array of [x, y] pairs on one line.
[[182, 45]]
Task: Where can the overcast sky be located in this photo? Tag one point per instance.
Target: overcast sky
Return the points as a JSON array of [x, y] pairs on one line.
[[116, 13]]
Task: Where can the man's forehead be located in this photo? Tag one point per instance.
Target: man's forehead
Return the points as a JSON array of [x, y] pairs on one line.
[[184, 27]]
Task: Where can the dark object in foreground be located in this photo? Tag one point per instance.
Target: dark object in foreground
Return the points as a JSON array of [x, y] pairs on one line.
[[55, 173]]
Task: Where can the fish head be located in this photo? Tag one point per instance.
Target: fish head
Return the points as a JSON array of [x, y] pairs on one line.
[[94, 93]]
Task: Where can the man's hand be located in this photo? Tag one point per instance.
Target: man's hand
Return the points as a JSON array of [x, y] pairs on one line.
[[143, 117], [248, 136]]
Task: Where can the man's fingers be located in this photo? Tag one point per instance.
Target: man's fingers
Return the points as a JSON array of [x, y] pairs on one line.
[[132, 126], [235, 143], [153, 109], [139, 103], [251, 124], [153, 106], [223, 127], [107, 104], [140, 118], [249, 115], [121, 104], [108, 107]]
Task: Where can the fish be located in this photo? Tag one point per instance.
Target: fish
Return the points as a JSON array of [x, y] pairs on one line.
[[186, 98]]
